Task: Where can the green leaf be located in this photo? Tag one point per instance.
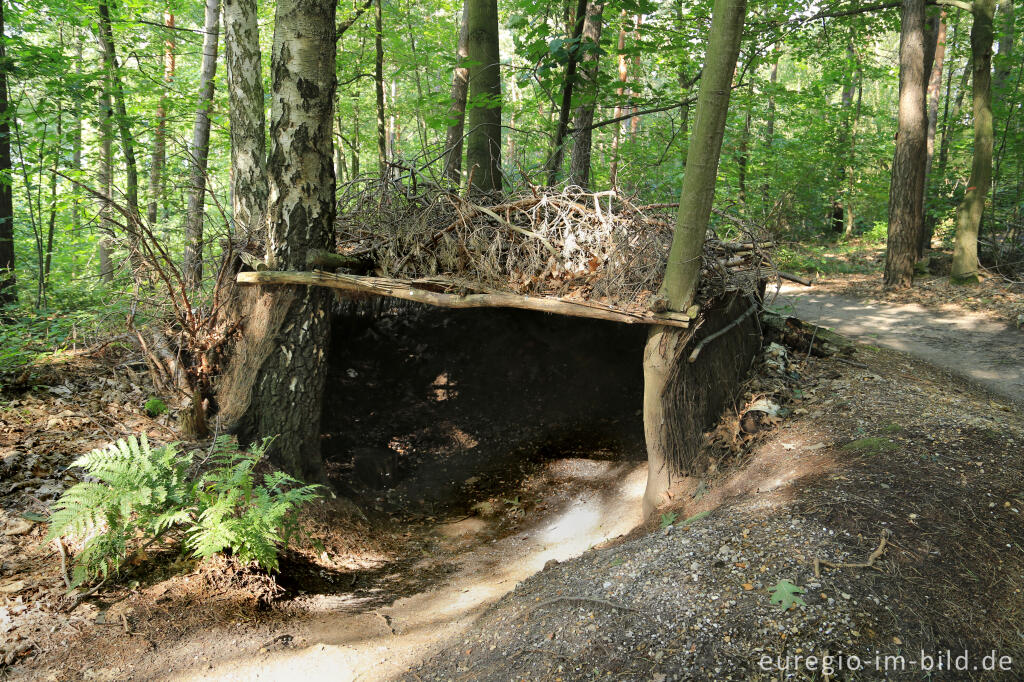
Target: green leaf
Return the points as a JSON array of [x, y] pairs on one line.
[[785, 594]]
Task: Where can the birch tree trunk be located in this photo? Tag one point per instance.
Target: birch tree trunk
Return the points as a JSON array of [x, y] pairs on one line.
[[968, 219], [906, 189], [278, 386], [156, 165], [8, 291], [457, 109], [579, 162], [200, 150], [665, 344], [483, 143], [248, 121]]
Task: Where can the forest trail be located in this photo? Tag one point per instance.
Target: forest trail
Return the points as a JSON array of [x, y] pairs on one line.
[[967, 344]]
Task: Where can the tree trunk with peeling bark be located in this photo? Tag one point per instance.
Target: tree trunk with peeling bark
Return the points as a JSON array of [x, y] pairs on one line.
[[199, 151], [248, 120], [275, 387], [664, 344]]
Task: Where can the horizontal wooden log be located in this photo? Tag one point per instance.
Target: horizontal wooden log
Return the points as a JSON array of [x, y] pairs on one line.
[[411, 290]]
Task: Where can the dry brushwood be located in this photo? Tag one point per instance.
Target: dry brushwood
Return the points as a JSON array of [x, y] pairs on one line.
[[569, 244]]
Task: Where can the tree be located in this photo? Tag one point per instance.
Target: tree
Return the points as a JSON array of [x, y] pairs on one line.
[[554, 163], [579, 164], [199, 151], [378, 84], [665, 344], [906, 189], [248, 122], [934, 91], [483, 142], [968, 222], [105, 35], [8, 291], [156, 165], [279, 378], [457, 109]]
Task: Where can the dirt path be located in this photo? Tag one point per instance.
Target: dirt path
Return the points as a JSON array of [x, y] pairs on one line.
[[967, 344], [586, 502]]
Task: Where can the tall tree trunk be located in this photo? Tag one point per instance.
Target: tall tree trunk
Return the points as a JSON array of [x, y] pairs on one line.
[[277, 387], [953, 116], [906, 188], [156, 165], [248, 120], [934, 92], [743, 152], [851, 168], [665, 344], [1004, 59], [620, 92], [773, 79], [457, 109], [553, 166], [105, 180], [483, 143], [968, 219], [200, 150], [378, 82], [579, 163], [76, 164], [52, 222], [116, 89], [8, 290]]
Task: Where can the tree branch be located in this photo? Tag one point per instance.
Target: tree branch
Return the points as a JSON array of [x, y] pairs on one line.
[[347, 24]]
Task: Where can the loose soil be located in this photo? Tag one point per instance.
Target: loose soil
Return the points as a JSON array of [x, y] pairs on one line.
[[513, 448]]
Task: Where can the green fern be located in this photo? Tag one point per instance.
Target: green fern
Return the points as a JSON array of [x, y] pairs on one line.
[[139, 491], [141, 494]]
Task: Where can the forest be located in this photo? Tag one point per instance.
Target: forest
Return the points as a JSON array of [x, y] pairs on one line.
[[337, 338]]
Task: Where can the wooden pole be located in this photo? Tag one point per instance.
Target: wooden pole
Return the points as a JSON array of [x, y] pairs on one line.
[[410, 290]]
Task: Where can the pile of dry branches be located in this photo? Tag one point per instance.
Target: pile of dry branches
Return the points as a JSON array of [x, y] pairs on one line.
[[569, 243]]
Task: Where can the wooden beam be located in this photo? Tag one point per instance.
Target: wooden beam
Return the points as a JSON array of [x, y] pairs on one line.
[[410, 290]]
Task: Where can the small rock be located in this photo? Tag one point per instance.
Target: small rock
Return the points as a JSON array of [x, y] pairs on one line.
[[12, 588], [18, 527]]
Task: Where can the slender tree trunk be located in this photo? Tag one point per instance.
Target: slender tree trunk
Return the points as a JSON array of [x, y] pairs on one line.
[[773, 79], [76, 166], [113, 75], [934, 92], [965, 247], [483, 143], [1004, 59], [665, 344], [52, 222], [8, 290], [156, 165], [620, 92], [906, 189], [851, 168], [378, 82], [457, 109], [953, 117], [248, 121], [279, 385], [105, 180], [743, 157], [579, 162], [553, 166], [200, 150]]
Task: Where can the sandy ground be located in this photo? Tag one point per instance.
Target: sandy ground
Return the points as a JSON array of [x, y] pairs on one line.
[[969, 344], [383, 643]]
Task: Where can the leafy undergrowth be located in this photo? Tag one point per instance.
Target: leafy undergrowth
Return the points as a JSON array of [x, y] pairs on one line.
[[856, 256]]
